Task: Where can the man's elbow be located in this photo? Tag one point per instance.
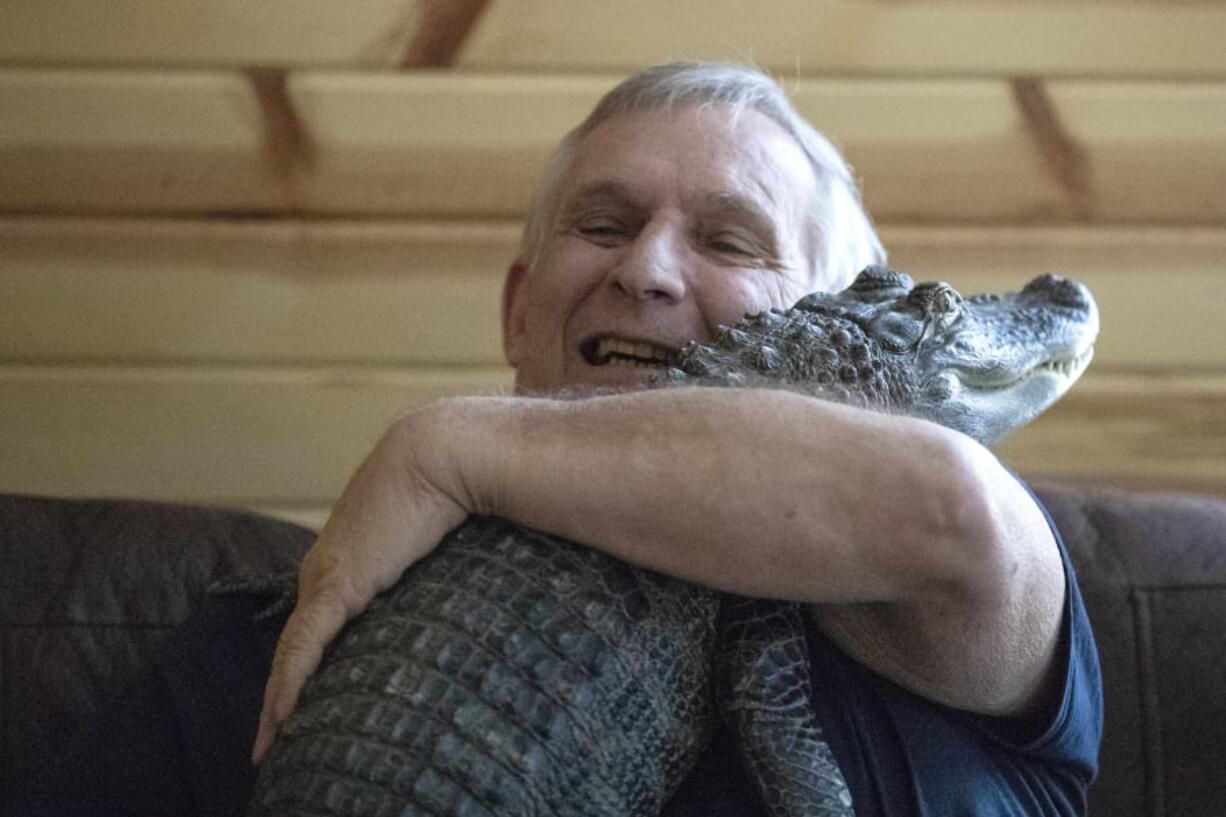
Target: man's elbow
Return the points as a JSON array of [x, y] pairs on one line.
[[979, 518]]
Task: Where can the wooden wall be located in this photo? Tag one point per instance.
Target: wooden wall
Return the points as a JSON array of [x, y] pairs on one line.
[[237, 239]]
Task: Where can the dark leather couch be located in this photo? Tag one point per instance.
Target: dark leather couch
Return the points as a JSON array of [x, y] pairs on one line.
[[89, 590]]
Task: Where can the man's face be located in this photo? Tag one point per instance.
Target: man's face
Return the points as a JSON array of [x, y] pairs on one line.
[[670, 224]]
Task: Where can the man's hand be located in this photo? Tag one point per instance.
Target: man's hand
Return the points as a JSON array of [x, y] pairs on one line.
[[392, 513]]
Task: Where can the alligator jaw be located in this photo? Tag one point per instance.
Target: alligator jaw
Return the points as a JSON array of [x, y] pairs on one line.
[[999, 408], [1065, 369]]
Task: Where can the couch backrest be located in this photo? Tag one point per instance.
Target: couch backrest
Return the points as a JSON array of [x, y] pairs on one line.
[[1152, 568], [88, 589]]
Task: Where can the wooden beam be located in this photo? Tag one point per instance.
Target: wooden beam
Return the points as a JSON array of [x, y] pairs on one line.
[[442, 28], [1067, 161], [472, 146], [289, 147]]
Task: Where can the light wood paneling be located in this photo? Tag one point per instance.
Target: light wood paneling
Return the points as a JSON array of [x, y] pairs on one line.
[[427, 293], [126, 142], [252, 292], [471, 146], [852, 36], [217, 32], [1053, 37], [1137, 431], [256, 436], [290, 438]]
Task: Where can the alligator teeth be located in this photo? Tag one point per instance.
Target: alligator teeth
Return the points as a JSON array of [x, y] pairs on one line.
[[1065, 366]]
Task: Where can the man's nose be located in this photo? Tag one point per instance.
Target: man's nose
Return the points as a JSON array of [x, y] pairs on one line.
[[653, 265]]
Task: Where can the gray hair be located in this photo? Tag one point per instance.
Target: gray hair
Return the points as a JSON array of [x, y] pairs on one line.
[[847, 241]]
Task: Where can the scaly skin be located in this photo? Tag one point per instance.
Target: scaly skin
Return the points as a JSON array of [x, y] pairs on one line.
[[513, 673]]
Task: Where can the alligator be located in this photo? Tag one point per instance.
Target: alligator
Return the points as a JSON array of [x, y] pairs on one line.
[[514, 673]]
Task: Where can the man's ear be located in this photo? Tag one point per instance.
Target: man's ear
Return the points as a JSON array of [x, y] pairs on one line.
[[513, 312]]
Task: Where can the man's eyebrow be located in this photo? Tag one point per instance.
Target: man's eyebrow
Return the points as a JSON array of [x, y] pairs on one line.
[[600, 192], [743, 210]]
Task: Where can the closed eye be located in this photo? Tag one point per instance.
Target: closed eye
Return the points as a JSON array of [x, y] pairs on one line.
[[729, 247], [604, 233], [729, 244]]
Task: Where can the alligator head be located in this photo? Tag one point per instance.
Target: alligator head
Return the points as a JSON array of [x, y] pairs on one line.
[[983, 365]]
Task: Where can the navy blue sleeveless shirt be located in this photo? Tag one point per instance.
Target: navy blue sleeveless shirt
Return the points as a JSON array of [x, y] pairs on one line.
[[902, 754]]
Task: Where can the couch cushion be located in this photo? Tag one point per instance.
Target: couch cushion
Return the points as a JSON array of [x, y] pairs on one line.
[[1152, 570], [88, 590]]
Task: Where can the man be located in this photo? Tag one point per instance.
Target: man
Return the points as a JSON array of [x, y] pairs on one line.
[[959, 666]]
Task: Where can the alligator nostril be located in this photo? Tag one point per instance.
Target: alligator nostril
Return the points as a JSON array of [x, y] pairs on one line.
[[1045, 281], [1058, 290]]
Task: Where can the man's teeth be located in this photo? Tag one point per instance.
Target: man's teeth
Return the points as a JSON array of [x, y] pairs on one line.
[[613, 352]]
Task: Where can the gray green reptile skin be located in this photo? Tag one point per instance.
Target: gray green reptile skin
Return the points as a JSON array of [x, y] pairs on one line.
[[513, 673], [509, 673]]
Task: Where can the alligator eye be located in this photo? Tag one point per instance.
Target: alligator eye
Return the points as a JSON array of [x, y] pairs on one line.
[[937, 301], [947, 301]]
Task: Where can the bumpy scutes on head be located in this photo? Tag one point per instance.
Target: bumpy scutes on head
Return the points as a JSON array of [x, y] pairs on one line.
[[983, 365]]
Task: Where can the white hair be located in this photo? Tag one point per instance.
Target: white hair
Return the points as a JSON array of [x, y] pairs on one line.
[[847, 241]]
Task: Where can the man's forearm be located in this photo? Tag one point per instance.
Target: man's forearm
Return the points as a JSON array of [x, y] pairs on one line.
[[765, 493]]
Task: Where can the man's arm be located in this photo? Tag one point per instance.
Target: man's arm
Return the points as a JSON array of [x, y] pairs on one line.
[[925, 557]]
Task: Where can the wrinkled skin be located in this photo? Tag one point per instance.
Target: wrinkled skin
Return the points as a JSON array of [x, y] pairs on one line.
[[513, 673], [983, 366]]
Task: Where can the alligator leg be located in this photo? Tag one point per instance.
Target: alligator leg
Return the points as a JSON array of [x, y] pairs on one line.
[[764, 692]]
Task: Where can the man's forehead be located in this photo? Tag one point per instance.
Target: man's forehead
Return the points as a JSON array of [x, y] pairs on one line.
[[737, 164]]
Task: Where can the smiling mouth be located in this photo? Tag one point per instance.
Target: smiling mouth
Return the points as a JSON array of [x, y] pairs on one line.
[[615, 351]]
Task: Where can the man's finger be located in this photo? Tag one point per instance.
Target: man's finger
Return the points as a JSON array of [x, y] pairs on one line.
[[313, 623], [264, 734]]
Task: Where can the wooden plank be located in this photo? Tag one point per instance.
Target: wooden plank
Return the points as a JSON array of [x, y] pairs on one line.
[[258, 436], [289, 438], [302, 292], [1154, 149], [125, 142], [1151, 432], [471, 146], [427, 293], [219, 32], [805, 37], [1054, 37]]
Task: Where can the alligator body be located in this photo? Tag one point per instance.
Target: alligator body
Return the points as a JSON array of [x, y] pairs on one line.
[[513, 673]]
